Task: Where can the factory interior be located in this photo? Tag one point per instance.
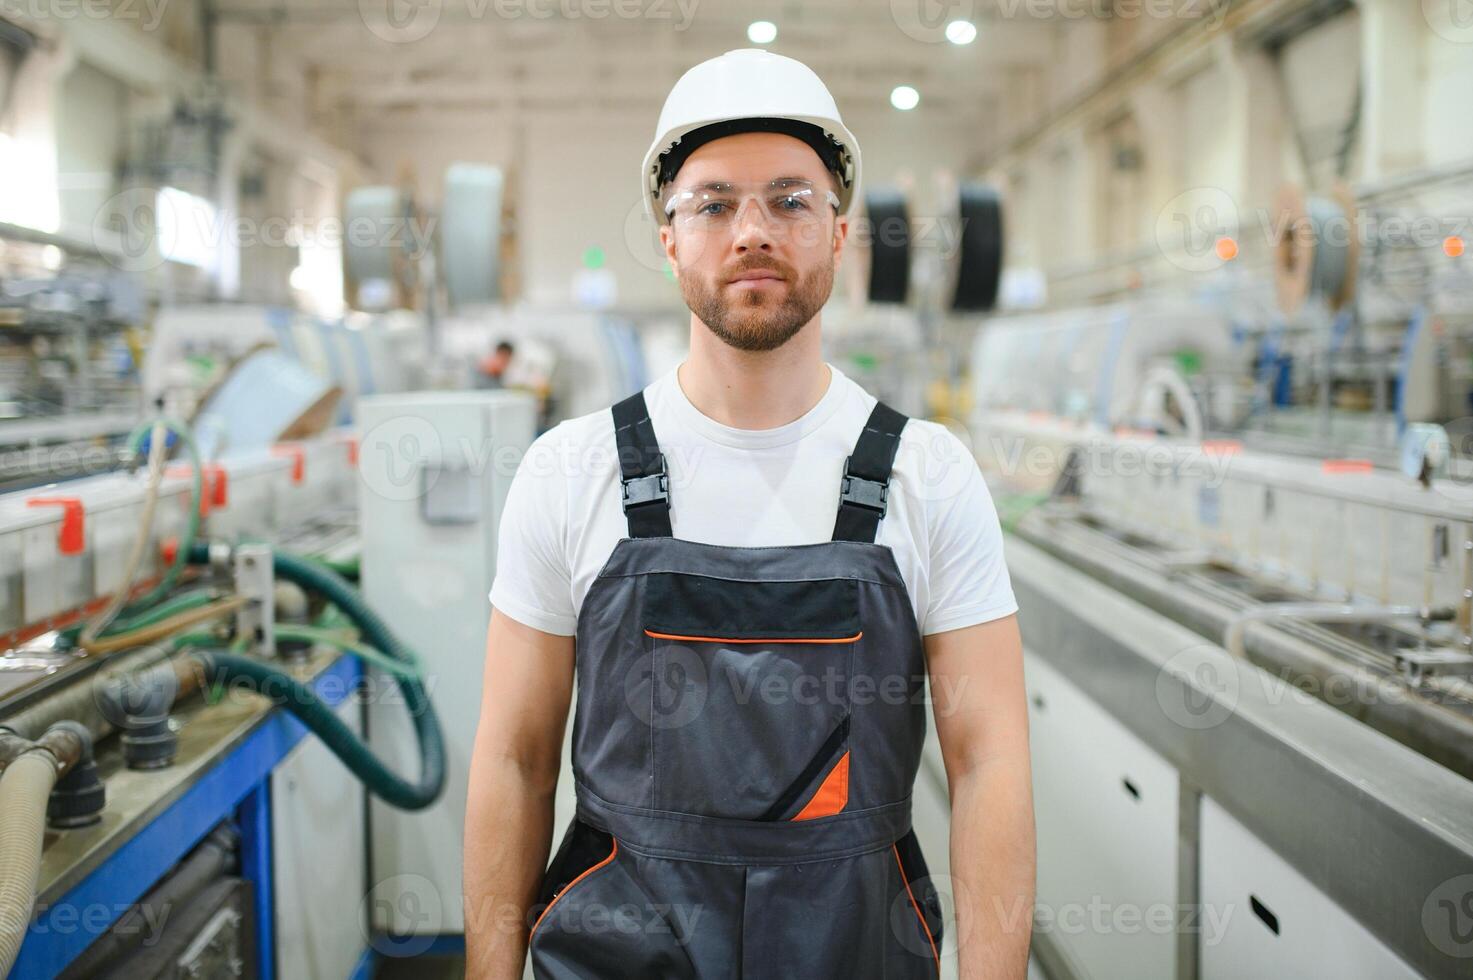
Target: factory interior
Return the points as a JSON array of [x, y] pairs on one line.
[[289, 287]]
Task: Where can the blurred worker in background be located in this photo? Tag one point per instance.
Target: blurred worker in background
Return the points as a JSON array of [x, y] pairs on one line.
[[493, 367], [752, 596]]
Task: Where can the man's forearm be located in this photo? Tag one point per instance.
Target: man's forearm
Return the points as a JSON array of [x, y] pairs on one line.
[[507, 838], [992, 867]]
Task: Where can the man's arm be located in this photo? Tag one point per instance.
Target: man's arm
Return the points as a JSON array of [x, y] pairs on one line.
[[981, 716], [514, 770]]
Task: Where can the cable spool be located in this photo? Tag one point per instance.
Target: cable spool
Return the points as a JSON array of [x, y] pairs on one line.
[[1317, 250], [979, 259], [470, 233], [889, 224], [381, 241]]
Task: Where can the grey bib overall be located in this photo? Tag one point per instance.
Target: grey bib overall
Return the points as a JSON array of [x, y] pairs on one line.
[[747, 732]]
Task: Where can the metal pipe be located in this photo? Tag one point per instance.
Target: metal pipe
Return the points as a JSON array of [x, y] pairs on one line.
[[1313, 612]]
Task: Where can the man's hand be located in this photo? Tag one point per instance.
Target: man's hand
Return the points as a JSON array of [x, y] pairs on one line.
[[981, 714], [514, 770]]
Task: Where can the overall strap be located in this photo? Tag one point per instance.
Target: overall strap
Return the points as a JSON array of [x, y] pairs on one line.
[[865, 489], [645, 487]]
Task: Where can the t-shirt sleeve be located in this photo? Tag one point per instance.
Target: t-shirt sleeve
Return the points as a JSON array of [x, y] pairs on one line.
[[533, 582], [969, 582]]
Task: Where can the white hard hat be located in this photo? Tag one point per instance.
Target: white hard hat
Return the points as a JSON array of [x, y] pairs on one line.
[[752, 89]]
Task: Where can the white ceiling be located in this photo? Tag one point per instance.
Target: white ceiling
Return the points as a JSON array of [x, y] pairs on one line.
[[531, 56]]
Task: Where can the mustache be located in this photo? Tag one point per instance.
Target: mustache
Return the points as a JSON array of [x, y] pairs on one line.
[[753, 263]]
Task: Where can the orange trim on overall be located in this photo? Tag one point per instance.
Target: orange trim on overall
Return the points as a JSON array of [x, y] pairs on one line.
[[832, 795], [569, 886], [916, 905], [762, 639]]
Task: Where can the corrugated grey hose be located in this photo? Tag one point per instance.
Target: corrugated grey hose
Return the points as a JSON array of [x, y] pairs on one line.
[[25, 786]]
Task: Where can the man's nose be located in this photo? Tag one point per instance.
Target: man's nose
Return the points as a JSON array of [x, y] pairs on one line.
[[753, 230]]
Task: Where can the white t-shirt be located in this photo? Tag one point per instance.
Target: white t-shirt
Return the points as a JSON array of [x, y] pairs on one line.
[[749, 487]]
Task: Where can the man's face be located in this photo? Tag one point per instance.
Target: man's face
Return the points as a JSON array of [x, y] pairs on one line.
[[755, 239]]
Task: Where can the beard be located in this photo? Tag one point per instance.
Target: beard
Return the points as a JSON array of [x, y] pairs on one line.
[[753, 320]]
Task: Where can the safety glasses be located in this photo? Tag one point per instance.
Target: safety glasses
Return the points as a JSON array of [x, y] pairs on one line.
[[717, 205]]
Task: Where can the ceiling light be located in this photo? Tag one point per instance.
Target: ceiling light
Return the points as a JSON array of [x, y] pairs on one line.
[[961, 32], [761, 32], [904, 97]]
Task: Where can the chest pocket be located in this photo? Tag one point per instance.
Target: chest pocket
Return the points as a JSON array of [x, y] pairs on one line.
[[750, 694]]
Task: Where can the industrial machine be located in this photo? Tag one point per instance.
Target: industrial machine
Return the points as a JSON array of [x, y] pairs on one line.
[[1246, 593], [183, 646]]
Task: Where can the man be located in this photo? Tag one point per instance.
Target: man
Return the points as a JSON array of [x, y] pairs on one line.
[[759, 565], [492, 369]]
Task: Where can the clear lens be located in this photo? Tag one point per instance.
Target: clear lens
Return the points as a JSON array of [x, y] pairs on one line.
[[715, 205]]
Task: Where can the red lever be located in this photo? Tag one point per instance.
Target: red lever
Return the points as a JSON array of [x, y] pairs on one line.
[[72, 538], [352, 442], [299, 459], [212, 486], [219, 485]]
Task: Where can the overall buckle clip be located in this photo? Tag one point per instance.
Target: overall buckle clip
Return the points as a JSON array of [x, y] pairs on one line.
[[651, 489], [863, 492]]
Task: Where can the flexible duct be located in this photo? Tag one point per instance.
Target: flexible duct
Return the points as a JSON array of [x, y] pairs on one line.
[[25, 786]]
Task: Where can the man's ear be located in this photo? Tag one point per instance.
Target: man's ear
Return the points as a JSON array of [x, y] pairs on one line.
[[841, 235], [667, 242]]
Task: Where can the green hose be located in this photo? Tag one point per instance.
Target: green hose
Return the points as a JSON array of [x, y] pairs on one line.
[[347, 644], [320, 719], [180, 603]]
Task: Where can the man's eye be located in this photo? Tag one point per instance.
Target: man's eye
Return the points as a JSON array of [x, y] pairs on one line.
[[712, 209], [791, 202]]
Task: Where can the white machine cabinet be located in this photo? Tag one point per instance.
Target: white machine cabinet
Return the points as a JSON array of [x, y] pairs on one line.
[[434, 469], [1274, 923], [1106, 810], [318, 838]]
